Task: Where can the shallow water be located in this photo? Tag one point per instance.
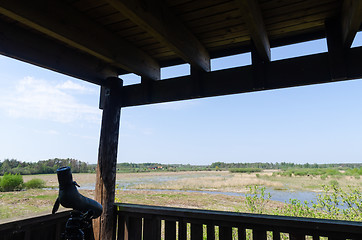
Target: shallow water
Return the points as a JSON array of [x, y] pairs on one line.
[[276, 195]]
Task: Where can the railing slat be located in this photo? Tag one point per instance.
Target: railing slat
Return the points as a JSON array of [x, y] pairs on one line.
[[182, 230], [253, 226], [276, 235], [151, 229], [259, 234], [121, 227], [225, 233], [134, 228], [196, 231], [210, 232], [170, 230], [296, 236], [241, 233]]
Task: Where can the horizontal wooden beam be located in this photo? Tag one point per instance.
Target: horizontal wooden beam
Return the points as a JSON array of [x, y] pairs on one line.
[[30, 47], [63, 23], [252, 16], [155, 18], [351, 20], [306, 70]]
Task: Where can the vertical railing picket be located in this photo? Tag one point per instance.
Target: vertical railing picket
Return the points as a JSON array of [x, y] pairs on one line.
[[151, 229], [210, 231], [170, 230], [276, 235], [241, 233], [134, 226], [121, 227], [259, 234], [225, 233], [196, 231], [296, 236], [182, 230]]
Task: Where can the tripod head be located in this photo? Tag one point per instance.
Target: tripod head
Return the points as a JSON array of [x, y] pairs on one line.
[[69, 197]]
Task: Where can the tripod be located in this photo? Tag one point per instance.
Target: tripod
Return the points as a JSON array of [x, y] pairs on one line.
[[79, 227]]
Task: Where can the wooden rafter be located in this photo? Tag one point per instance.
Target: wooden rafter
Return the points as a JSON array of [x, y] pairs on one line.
[[25, 45], [157, 20], [63, 23], [351, 20], [252, 16]]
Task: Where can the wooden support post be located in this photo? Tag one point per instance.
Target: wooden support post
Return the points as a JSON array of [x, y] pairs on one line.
[[104, 227], [259, 68], [197, 80], [337, 53]]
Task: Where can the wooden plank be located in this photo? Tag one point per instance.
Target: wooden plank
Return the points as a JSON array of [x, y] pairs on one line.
[[242, 233], [206, 11], [252, 16], [121, 227], [152, 229], [134, 226], [234, 14], [225, 233], [158, 21], [351, 20], [294, 7], [322, 10], [210, 231], [182, 230], [276, 235], [259, 234], [29, 47], [297, 236], [312, 69], [104, 226], [196, 231], [170, 230], [61, 22]]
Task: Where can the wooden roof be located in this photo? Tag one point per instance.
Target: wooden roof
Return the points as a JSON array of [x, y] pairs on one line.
[[96, 39]]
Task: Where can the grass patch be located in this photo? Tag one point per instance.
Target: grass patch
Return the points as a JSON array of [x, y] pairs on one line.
[[244, 170], [11, 182], [35, 183]]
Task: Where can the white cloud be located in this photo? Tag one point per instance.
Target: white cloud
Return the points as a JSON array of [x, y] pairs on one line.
[[39, 99], [46, 132], [70, 85]]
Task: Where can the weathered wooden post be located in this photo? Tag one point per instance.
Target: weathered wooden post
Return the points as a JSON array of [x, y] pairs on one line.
[[104, 227]]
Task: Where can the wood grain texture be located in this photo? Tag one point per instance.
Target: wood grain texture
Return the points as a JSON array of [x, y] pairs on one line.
[[104, 226], [63, 23], [253, 18], [157, 20]]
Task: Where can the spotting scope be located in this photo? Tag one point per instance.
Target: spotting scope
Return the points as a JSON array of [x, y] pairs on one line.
[[69, 197]]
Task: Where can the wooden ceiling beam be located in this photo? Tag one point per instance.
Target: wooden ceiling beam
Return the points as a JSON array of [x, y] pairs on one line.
[[63, 23], [155, 18], [28, 46], [253, 18], [351, 20], [300, 71]]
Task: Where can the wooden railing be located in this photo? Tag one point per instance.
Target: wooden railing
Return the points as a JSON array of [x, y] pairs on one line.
[[136, 222], [48, 227]]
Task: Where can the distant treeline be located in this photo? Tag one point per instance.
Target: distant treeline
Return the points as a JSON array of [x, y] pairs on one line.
[[14, 166], [235, 167], [283, 165], [51, 165], [148, 167]]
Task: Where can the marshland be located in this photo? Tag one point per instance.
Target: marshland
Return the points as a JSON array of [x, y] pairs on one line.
[[268, 191]]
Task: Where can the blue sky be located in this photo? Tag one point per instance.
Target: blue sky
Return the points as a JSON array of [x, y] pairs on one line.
[[45, 115]]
